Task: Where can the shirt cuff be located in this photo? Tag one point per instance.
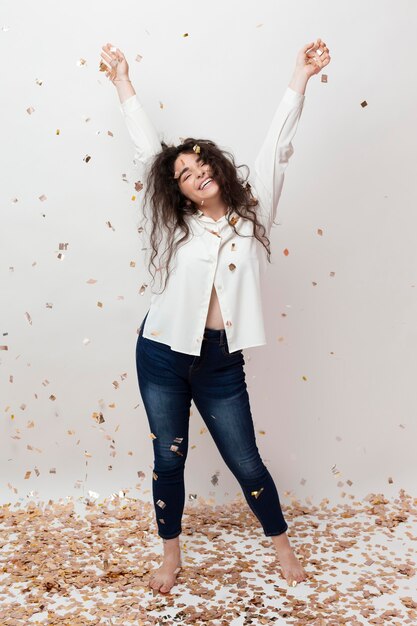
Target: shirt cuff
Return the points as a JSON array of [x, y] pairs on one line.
[[131, 104], [293, 97]]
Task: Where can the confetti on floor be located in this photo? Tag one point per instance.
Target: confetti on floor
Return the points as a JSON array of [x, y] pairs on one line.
[[82, 562]]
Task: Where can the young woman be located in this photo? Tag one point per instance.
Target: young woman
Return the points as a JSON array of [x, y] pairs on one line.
[[207, 236]]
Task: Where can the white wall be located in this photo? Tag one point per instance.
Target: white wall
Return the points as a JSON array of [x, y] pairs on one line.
[[353, 335]]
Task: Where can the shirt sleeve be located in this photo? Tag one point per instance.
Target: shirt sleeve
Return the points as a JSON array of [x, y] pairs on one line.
[[142, 131], [273, 157]]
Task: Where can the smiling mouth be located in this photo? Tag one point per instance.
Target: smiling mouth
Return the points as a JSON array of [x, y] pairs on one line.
[[206, 184]]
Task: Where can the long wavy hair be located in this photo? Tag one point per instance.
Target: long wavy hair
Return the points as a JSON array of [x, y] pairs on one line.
[[169, 207]]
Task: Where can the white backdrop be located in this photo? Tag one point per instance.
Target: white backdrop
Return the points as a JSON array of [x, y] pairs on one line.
[[352, 335]]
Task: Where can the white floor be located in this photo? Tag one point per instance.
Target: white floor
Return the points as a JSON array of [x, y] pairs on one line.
[[72, 563]]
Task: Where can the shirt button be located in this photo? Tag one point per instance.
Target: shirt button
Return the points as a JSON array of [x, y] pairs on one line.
[[232, 267]]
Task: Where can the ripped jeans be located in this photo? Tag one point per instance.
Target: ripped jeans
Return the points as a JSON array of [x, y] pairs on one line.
[[215, 380]]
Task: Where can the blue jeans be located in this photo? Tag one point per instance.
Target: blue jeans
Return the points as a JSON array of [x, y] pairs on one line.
[[215, 380]]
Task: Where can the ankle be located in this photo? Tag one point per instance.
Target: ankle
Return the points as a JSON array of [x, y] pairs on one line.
[[171, 546]]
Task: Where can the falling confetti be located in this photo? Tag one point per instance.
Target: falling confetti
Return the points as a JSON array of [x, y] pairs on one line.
[[197, 148], [324, 78], [364, 104], [286, 252]]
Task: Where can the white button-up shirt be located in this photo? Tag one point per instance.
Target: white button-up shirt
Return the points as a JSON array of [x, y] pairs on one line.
[[215, 254]]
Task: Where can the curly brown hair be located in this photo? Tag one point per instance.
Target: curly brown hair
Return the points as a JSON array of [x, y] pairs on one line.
[[169, 207]]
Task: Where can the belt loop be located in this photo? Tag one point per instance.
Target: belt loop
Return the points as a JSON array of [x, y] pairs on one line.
[[222, 337]]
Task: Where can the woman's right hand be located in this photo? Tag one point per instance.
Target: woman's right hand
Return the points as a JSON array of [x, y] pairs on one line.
[[115, 63]]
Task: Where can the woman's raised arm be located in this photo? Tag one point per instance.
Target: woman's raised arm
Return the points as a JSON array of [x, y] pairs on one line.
[[277, 148], [142, 131]]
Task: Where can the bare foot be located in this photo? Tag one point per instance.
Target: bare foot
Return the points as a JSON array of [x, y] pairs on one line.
[[163, 579], [291, 567]]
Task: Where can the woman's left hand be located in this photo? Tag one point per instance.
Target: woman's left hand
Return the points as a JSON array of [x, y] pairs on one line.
[[312, 58]]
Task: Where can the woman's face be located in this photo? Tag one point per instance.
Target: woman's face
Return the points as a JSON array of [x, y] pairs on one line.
[[191, 173]]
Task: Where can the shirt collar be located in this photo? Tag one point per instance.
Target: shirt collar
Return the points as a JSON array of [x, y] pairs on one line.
[[205, 218]]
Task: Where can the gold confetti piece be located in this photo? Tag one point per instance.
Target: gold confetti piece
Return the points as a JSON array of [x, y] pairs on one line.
[[178, 439], [132, 264], [294, 583], [319, 231], [133, 198], [304, 377], [81, 62], [162, 520], [215, 478], [110, 226], [115, 384], [152, 436], [110, 133], [390, 480], [86, 158], [257, 493], [52, 470], [233, 247], [98, 417], [91, 281], [161, 105], [155, 333], [100, 304], [314, 284], [233, 221], [192, 496], [23, 407], [138, 186], [197, 148], [154, 476], [332, 273], [324, 78], [261, 432], [52, 397], [27, 475], [142, 289], [63, 246], [29, 319], [228, 323], [161, 503], [185, 35], [42, 198], [4, 347], [286, 252], [57, 132], [138, 58], [364, 104], [30, 110], [232, 267]]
